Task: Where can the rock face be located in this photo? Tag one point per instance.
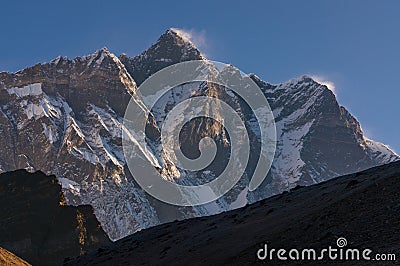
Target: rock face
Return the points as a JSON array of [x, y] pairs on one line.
[[7, 258], [65, 118], [36, 225], [353, 207]]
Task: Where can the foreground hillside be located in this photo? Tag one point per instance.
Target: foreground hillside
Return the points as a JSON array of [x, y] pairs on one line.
[[362, 207], [7, 258], [34, 224]]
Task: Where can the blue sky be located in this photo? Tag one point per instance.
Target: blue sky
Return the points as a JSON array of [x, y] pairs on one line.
[[353, 44]]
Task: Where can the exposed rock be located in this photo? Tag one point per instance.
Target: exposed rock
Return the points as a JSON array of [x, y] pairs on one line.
[[36, 225], [9, 259]]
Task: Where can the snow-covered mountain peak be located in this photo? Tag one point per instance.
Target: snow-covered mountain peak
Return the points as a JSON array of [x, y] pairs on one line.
[[181, 37], [169, 49], [97, 58], [94, 60], [178, 35], [172, 40], [304, 79]]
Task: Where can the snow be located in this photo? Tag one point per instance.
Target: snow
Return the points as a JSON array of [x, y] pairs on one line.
[[71, 125], [56, 60], [70, 185], [50, 133], [41, 110], [108, 122], [163, 60], [241, 200], [44, 107], [100, 59], [380, 151], [74, 125], [91, 58], [49, 109], [34, 111], [66, 107], [28, 167], [288, 162], [277, 112], [86, 155], [210, 208], [110, 154], [34, 89], [144, 150]]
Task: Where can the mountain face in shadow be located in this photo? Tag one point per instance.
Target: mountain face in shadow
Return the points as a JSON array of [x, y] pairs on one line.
[[65, 118], [363, 208], [36, 225]]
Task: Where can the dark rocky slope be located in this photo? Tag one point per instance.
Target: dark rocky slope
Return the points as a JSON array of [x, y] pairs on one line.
[[362, 207], [36, 225]]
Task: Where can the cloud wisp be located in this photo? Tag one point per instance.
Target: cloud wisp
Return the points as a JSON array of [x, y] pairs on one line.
[[198, 38], [324, 81]]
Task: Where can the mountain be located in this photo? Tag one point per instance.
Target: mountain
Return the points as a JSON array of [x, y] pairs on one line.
[[65, 118], [317, 138], [362, 208], [36, 225], [170, 49]]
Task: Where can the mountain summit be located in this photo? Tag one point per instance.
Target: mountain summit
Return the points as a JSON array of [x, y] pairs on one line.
[[65, 118], [170, 48]]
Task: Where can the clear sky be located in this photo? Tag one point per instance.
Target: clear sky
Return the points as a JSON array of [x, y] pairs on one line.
[[353, 44]]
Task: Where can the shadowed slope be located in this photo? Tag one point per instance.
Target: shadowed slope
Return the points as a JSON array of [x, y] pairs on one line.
[[35, 224], [363, 208]]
